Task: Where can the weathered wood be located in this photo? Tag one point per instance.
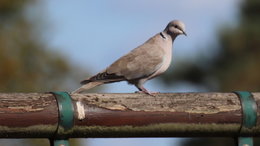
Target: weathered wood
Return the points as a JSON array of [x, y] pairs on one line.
[[126, 115], [28, 115], [199, 114]]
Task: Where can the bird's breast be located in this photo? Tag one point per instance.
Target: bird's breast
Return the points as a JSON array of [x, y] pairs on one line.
[[166, 61], [167, 48]]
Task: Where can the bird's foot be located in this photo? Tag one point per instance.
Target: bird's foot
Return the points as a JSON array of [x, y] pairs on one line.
[[143, 90], [148, 92]]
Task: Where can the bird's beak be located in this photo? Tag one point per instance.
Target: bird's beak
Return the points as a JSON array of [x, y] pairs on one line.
[[183, 32]]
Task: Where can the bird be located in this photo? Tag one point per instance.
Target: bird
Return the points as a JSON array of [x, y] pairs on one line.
[[143, 63]]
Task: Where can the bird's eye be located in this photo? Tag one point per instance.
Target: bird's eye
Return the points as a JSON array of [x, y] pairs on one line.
[[175, 26]]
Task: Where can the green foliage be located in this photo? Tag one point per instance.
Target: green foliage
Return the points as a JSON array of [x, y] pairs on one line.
[[210, 142], [236, 65], [27, 64], [238, 68]]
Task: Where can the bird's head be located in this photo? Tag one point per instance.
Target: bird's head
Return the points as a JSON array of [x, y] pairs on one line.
[[175, 28]]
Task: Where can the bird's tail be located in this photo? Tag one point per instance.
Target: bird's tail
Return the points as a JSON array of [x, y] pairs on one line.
[[98, 79], [87, 86]]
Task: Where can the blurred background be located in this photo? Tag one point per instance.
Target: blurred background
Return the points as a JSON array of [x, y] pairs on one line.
[[53, 44]]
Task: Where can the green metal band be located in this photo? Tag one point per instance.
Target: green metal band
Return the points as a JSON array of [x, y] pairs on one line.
[[61, 143], [245, 141], [249, 109], [66, 109], [66, 117]]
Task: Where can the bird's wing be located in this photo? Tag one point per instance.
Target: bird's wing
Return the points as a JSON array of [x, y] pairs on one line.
[[141, 62]]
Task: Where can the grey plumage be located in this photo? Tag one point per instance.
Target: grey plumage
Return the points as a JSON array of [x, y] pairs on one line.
[[141, 64]]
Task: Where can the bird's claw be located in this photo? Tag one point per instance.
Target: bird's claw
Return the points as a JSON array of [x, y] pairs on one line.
[[148, 92]]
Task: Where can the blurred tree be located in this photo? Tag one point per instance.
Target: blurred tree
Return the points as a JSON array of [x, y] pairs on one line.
[[236, 67], [27, 64], [209, 142]]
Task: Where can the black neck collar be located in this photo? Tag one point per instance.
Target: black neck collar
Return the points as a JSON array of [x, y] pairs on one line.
[[162, 35]]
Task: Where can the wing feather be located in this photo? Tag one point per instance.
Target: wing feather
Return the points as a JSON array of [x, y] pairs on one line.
[[141, 62]]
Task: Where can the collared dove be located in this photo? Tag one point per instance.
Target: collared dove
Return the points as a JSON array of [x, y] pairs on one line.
[[141, 64]]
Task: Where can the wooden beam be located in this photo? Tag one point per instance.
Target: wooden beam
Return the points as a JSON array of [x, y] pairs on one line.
[[36, 115]]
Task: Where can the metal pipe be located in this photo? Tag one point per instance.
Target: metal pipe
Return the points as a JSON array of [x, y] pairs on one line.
[[35, 115]]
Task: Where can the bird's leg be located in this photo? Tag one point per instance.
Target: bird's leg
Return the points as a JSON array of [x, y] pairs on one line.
[[143, 90]]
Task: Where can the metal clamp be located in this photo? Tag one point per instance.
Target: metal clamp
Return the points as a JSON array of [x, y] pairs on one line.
[[66, 118], [249, 109]]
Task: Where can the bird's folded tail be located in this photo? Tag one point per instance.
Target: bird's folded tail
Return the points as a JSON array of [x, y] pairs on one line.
[[99, 79], [88, 85]]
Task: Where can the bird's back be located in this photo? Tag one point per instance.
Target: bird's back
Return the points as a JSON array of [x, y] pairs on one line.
[[142, 61]]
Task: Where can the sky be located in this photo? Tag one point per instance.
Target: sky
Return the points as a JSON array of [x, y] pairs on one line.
[[93, 34]]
